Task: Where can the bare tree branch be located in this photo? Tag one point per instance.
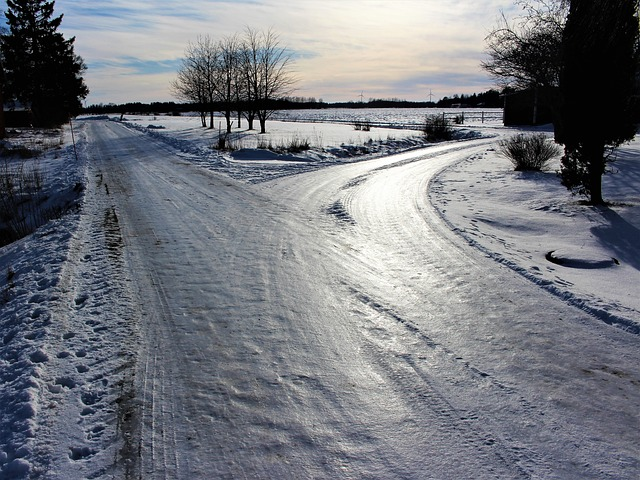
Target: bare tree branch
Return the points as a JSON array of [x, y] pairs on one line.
[[525, 53]]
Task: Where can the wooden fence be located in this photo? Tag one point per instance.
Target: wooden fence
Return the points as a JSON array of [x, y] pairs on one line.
[[460, 117]]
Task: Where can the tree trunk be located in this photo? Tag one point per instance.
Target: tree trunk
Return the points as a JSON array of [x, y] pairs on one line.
[[250, 118], [535, 106], [262, 117], [227, 116], [595, 154]]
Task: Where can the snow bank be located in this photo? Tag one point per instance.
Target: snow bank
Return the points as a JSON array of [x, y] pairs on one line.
[[29, 285]]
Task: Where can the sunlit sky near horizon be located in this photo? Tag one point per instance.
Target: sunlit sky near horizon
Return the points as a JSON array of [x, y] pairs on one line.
[[342, 48]]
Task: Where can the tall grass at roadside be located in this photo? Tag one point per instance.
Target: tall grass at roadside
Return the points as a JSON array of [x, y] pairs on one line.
[[21, 187], [23, 201], [294, 144]]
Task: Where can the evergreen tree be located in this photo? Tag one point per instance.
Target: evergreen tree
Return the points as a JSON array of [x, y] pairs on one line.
[[42, 70], [599, 51]]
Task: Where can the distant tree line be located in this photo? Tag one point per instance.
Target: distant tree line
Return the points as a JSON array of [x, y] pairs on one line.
[[488, 99]]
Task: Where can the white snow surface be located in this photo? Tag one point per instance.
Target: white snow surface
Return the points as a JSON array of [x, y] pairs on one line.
[[375, 307]]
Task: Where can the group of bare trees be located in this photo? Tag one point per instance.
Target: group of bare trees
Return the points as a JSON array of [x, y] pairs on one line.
[[241, 74]]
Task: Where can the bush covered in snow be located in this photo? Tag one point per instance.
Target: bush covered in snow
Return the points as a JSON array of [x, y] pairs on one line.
[[529, 152], [437, 128]]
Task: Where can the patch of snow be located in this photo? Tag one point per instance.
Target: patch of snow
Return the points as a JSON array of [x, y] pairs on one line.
[[518, 218]]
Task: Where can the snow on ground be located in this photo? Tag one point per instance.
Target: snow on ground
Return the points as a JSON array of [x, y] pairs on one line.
[[329, 142], [392, 116], [64, 337], [64, 353], [526, 220]]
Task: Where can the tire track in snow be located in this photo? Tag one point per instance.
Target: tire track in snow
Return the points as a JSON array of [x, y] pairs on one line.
[[158, 441], [264, 404], [408, 355], [153, 439], [412, 263]]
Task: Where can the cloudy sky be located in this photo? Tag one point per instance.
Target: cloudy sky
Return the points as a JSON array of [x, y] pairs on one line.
[[342, 48]]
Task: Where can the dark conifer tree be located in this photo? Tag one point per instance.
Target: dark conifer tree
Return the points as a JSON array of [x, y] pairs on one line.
[[599, 51], [42, 70]]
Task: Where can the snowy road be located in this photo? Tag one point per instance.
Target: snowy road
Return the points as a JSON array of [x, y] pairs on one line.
[[331, 325]]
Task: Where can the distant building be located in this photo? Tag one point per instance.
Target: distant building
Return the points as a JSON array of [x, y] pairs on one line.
[[527, 107]]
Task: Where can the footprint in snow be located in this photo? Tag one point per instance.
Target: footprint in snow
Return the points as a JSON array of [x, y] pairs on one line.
[[78, 453], [80, 300], [39, 356], [67, 382]]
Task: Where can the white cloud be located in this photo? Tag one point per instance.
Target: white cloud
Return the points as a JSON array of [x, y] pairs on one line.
[[343, 46]]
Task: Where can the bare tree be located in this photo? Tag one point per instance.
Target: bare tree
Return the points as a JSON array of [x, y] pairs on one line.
[[197, 79], [228, 68], [246, 94], [266, 67], [525, 53], [187, 87]]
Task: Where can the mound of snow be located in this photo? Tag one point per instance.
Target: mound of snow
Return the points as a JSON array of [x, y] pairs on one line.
[[581, 258]]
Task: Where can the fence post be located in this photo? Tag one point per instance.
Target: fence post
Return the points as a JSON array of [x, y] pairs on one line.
[[482, 116], [73, 139]]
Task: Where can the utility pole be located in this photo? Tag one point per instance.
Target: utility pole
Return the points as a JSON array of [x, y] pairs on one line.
[[3, 131], [361, 97], [430, 96]]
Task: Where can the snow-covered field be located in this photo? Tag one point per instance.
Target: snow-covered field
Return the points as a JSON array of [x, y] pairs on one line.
[[328, 142], [539, 378]]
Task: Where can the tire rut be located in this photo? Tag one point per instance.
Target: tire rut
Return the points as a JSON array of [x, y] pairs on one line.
[[423, 370]]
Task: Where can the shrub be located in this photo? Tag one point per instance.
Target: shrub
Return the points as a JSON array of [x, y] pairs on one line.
[[529, 152], [295, 144], [437, 128]]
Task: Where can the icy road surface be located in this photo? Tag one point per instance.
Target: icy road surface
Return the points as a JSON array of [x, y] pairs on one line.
[[330, 325]]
